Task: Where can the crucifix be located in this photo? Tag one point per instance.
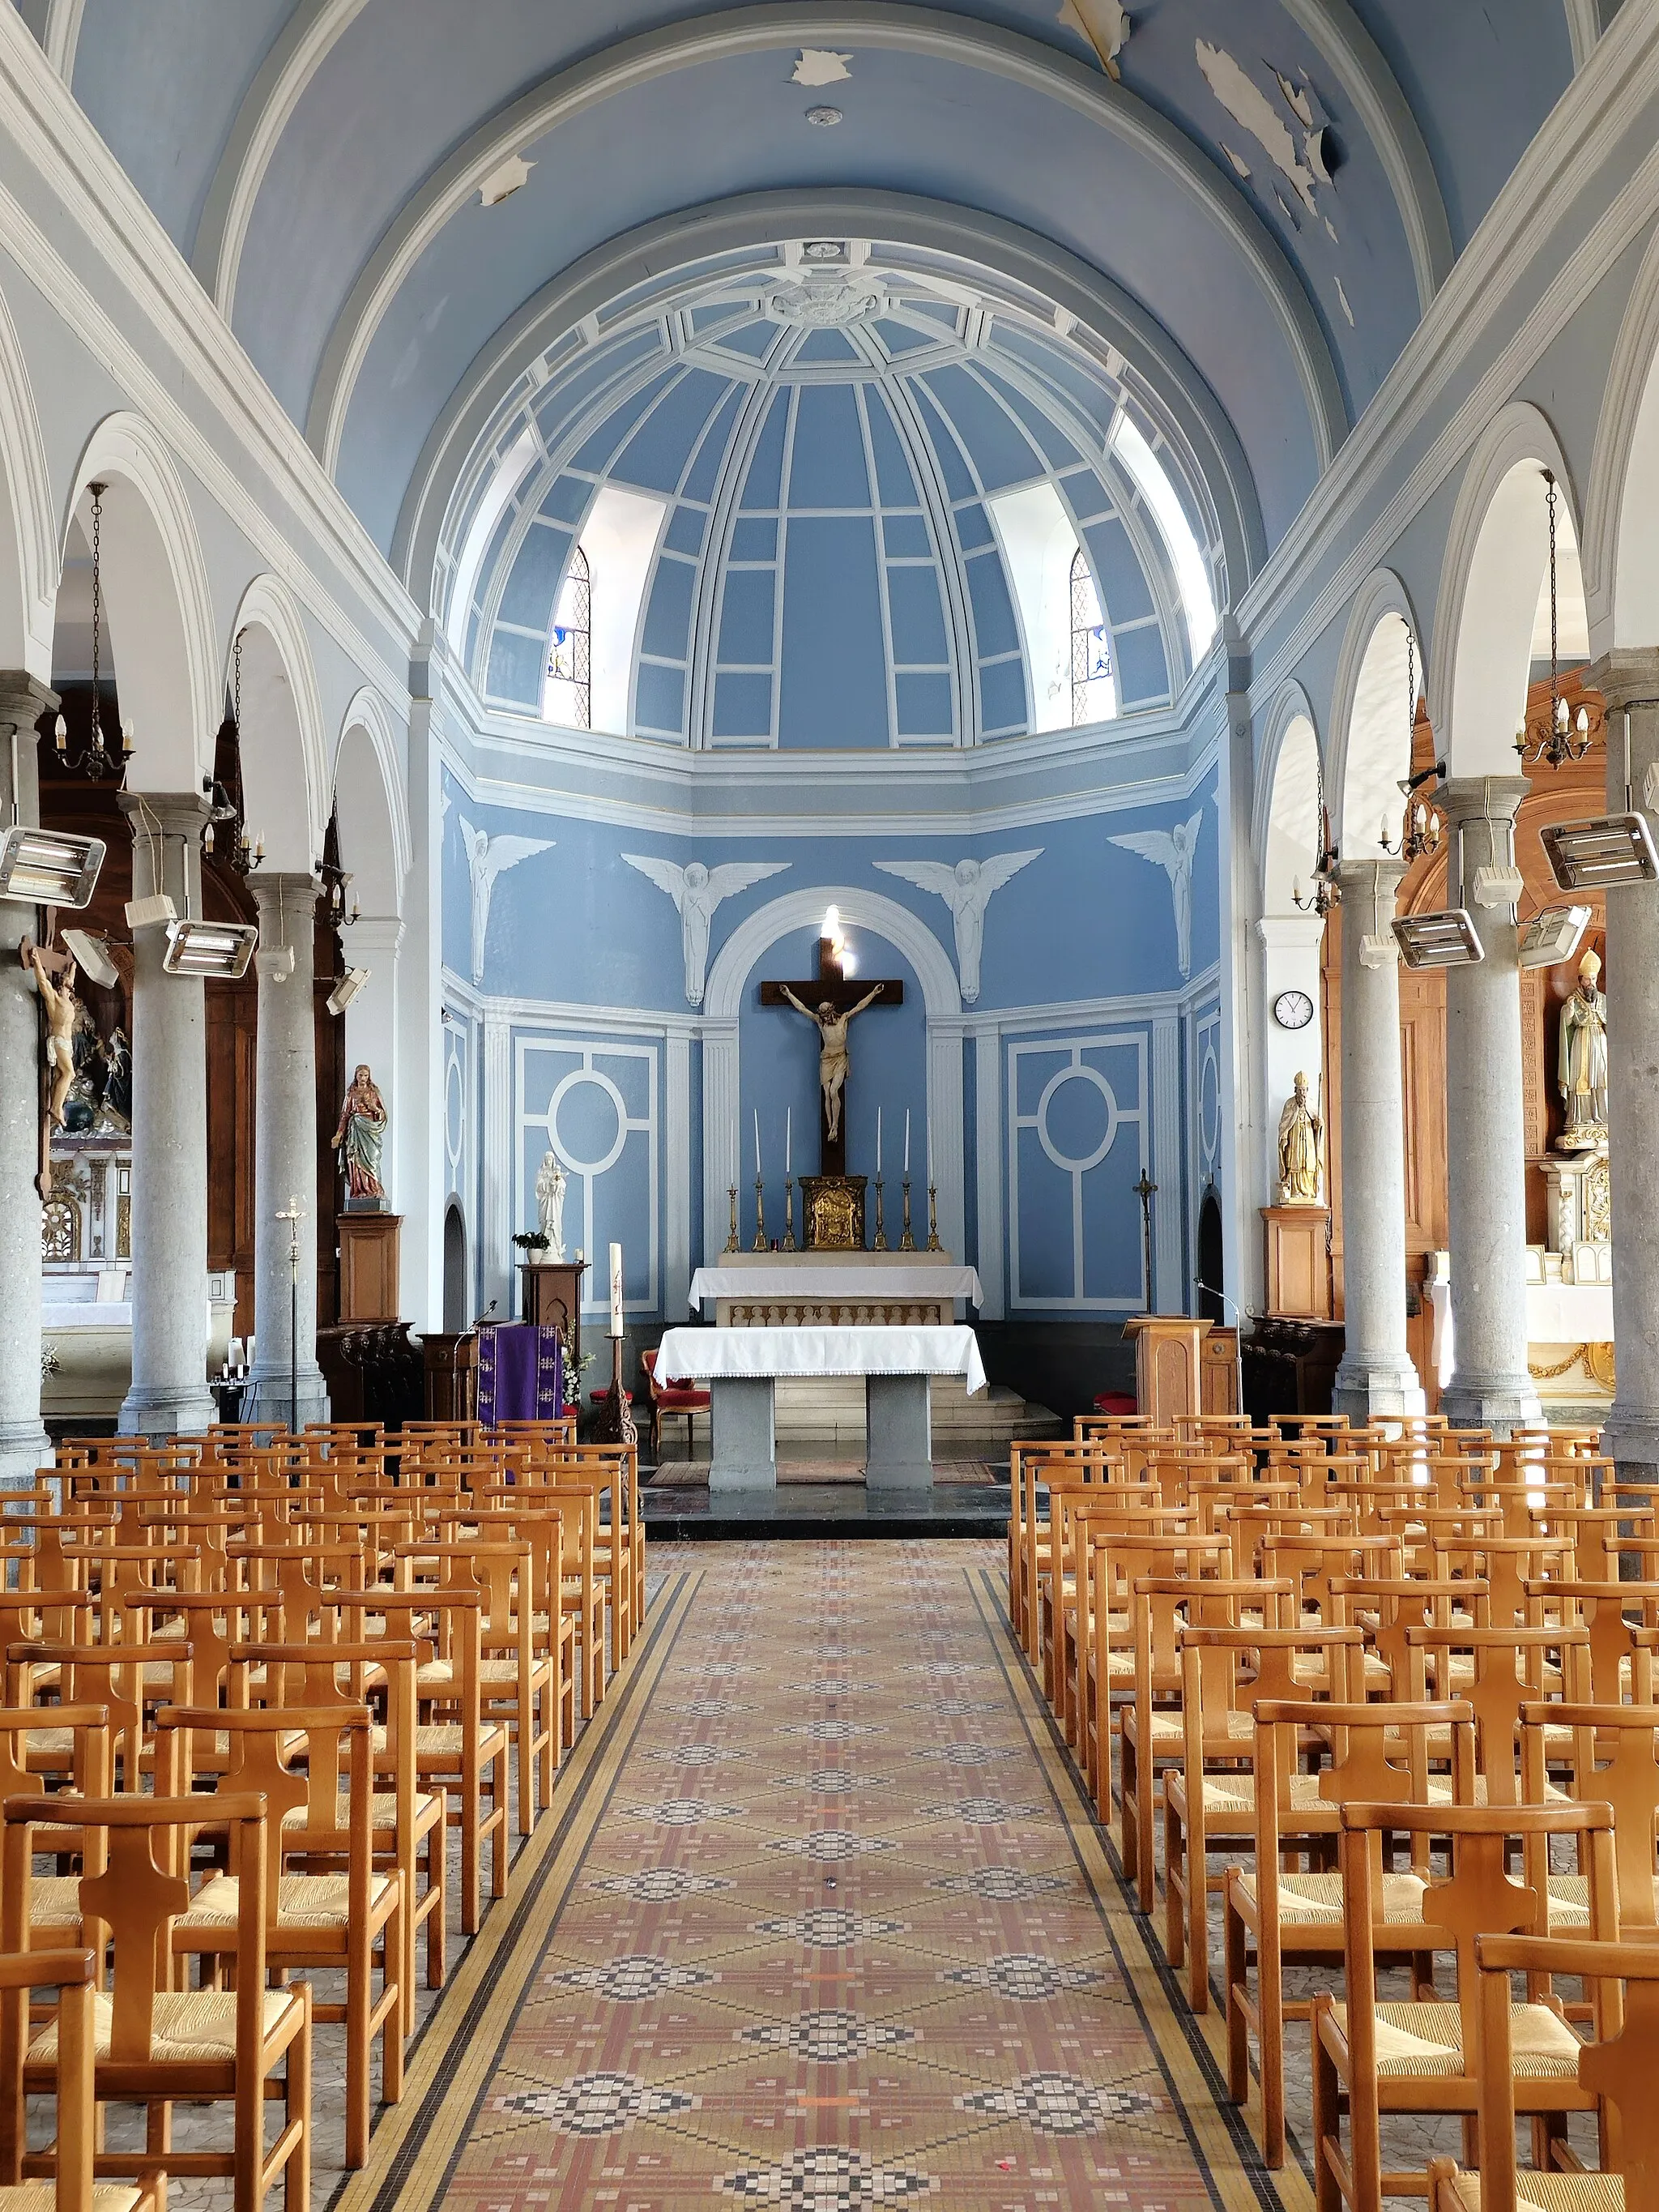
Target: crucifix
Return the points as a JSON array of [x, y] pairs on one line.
[[830, 1000]]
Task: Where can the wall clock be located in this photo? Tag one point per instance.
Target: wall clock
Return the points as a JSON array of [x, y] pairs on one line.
[[1293, 1010]]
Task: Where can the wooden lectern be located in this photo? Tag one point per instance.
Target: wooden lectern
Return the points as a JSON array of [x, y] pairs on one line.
[[1173, 1374], [451, 1376]]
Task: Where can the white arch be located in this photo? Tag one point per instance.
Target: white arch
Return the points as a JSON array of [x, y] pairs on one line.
[[654, 55], [1621, 507], [29, 564], [863, 910], [269, 606], [1355, 775], [1293, 707], [1497, 554], [367, 712], [62, 34], [166, 660]]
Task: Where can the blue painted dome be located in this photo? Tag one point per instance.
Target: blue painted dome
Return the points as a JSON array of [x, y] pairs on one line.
[[830, 501]]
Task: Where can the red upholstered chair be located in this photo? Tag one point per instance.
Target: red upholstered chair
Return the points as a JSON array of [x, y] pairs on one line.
[[672, 1397], [1115, 1401]]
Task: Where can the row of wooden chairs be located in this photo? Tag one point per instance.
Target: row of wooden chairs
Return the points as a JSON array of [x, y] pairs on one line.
[[253, 1685], [1361, 1679]]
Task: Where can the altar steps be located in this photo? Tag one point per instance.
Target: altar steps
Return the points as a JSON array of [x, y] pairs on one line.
[[826, 1413]]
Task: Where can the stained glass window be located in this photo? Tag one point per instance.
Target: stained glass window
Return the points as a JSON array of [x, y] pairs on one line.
[[569, 695], [1093, 698]]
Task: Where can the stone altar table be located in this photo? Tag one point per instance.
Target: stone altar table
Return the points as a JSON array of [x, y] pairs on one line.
[[742, 1366]]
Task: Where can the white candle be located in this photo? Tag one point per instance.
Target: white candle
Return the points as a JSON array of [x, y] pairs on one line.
[[930, 1148], [907, 1140], [757, 1164], [789, 1135], [878, 1140], [734, 1152], [615, 1289]]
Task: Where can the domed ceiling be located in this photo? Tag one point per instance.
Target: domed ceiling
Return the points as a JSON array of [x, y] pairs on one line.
[[379, 194], [859, 490]]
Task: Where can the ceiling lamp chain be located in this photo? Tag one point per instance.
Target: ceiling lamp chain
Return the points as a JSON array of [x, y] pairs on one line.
[[95, 758], [1563, 736], [228, 799], [1423, 828], [1326, 892]]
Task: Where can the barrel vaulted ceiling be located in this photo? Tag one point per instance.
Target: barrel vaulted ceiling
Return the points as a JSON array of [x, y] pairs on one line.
[[1248, 202]]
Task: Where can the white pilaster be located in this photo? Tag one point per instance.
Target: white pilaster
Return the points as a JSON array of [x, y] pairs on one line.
[[677, 1171], [23, 1446], [945, 1113], [720, 1122], [371, 1020], [990, 1257], [1290, 947], [497, 1277], [417, 1095], [1168, 1209]]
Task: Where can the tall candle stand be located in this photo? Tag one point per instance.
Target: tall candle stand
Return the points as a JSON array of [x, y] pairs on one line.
[[613, 1423], [759, 1245], [788, 1244], [933, 1244], [907, 1242], [732, 1241], [881, 1224]]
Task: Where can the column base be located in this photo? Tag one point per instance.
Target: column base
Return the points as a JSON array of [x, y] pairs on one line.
[[1372, 1386], [25, 1449], [1631, 1434], [268, 1397], [1498, 1402], [160, 1410]]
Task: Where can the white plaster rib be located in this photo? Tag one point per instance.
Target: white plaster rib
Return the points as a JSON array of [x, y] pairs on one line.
[[1583, 28], [1383, 108], [765, 29], [63, 34], [301, 47]]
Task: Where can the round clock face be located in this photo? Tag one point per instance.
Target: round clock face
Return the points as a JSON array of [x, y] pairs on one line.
[[1293, 1010]]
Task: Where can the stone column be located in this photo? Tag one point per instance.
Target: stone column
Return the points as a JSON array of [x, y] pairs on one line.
[[285, 1156], [23, 1446], [1485, 1128], [1631, 982], [169, 1393], [1376, 1376]]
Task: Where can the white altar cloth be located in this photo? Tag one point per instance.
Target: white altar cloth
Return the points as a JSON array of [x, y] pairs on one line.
[[700, 1355], [835, 1279]]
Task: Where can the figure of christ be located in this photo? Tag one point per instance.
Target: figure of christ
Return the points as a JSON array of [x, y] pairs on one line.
[[833, 1060], [61, 1008]]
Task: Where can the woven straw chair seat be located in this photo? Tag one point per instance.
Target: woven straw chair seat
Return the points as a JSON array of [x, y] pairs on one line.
[[55, 1901], [189, 2027], [1428, 2039], [303, 1900], [1541, 2193], [442, 1739], [1305, 1900], [42, 2197], [383, 1812]]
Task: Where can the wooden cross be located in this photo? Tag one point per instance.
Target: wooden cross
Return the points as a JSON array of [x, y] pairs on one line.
[[832, 986]]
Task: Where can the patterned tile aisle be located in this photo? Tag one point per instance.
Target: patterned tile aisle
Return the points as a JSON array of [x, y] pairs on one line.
[[824, 1929]]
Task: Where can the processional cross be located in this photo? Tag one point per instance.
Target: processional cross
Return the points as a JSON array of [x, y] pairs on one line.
[[830, 1000]]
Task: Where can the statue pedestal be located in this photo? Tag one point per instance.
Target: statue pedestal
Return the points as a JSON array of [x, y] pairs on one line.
[[1580, 1214], [369, 1250], [551, 1297], [1298, 1275]]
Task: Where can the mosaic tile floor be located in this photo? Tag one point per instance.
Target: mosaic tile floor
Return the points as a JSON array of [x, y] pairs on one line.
[[822, 1926]]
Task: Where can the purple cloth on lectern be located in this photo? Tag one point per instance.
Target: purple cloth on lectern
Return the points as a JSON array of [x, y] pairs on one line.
[[520, 1373]]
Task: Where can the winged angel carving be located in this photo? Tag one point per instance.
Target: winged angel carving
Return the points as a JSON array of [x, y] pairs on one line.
[[1172, 850], [696, 891], [966, 889], [487, 857]]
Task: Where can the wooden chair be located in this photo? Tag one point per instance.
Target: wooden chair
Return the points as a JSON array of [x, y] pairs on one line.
[[1611, 1754], [1377, 1753], [315, 1921], [1617, 2069], [157, 2046], [675, 1399], [1371, 2058], [68, 2157]]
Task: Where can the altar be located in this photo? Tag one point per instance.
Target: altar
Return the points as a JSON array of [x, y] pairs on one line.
[[835, 1290], [742, 1367]]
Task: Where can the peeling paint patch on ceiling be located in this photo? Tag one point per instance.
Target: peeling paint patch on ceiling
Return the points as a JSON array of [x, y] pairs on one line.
[[1237, 161], [504, 180], [1343, 297], [1250, 107], [817, 65], [1103, 24]]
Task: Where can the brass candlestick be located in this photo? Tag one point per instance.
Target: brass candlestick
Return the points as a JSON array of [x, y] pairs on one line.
[[789, 1244], [933, 1244], [907, 1242], [732, 1241], [759, 1245], [881, 1225]]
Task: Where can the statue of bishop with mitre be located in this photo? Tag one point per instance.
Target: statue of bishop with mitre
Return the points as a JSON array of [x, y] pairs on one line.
[[1301, 1131], [1581, 1072]]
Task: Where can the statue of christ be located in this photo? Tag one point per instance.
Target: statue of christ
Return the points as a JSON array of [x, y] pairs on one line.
[[833, 1060]]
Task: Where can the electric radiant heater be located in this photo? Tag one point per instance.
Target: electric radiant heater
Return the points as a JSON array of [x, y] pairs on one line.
[[1613, 848], [209, 948], [1440, 940], [1553, 936], [44, 867]]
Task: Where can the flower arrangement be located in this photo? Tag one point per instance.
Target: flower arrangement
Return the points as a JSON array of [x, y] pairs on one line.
[[530, 1240]]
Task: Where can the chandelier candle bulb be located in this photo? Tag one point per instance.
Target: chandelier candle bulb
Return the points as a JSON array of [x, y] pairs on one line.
[[615, 1289]]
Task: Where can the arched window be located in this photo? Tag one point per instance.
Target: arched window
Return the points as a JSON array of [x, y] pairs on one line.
[[569, 696], [1093, 698]]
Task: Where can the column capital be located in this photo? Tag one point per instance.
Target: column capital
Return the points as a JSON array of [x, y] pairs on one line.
[[1628, 673], [1472, 798], [170, 813], [1381, 876], [373, 933], [1291, 933], [276, 893], [23, 699]]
